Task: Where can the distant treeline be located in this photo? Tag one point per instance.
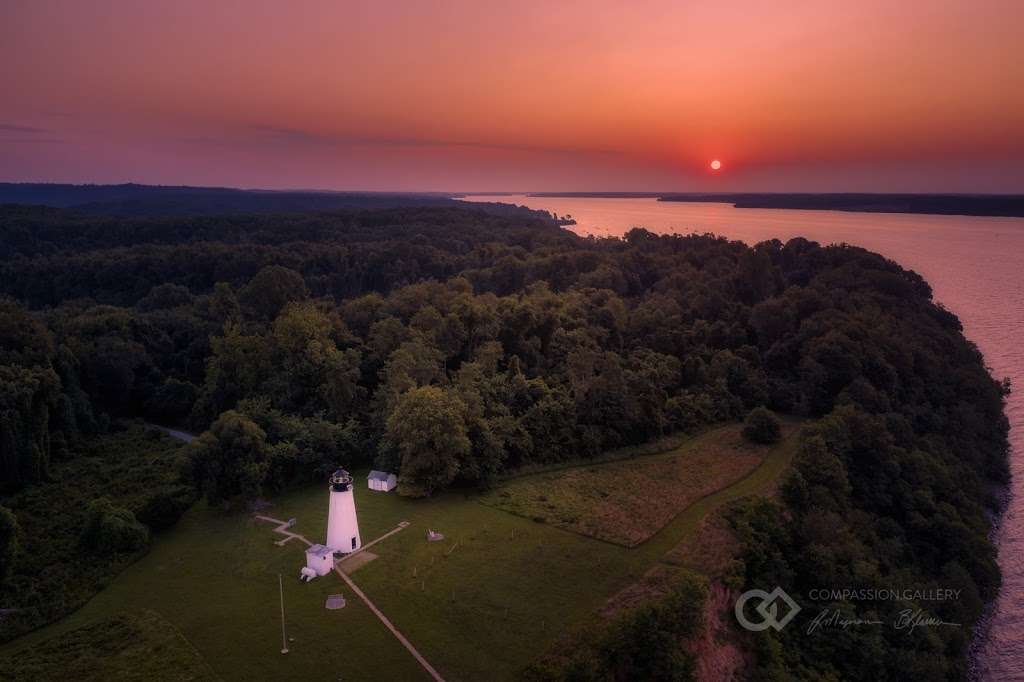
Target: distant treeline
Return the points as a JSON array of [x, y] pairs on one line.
[[153, 200], [452, 345], [1006, 205]]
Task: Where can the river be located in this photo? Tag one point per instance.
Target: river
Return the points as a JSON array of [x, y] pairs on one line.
[[976, 269]]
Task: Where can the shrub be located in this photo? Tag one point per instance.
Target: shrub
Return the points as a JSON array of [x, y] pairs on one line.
[[112, 529], [162, 510], [762, 426], [641, 643]]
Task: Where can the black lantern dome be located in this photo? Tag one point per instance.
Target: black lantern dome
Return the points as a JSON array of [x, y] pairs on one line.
[[341, 480]]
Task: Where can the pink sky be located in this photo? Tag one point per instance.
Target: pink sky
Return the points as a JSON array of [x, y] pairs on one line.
[[469, 96]]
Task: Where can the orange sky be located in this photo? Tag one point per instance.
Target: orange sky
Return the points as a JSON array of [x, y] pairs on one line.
[[466, 96]]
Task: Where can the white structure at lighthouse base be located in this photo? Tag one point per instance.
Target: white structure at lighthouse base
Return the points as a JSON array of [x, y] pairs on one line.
[[319, 561], [342, 524]]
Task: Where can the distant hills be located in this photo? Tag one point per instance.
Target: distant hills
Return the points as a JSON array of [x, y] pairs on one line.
[[155, 200], [1005, 205]]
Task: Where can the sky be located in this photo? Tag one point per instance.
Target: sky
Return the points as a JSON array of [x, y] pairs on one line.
[[923, 96]]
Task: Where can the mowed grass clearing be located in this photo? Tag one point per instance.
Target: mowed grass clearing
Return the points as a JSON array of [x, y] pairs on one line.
[[627, 502], [499, 591], [138, 647]]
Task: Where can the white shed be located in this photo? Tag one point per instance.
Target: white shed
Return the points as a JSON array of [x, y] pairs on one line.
[[382, 481], [320, 559]]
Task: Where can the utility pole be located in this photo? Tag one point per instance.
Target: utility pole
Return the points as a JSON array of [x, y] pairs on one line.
[[284, 640]]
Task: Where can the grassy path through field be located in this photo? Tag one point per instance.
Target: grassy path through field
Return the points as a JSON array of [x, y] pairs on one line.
[[758, 482]]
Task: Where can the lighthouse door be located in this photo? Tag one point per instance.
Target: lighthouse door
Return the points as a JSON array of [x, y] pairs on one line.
[[353, 543]]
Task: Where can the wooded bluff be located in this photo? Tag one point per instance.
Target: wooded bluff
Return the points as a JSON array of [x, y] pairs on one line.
[[454, 345]]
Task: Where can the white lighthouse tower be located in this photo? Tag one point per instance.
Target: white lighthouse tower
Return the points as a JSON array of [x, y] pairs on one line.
[[342, 525]]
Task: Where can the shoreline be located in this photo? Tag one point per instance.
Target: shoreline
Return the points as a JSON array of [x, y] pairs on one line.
[[982, 629], [975, 205]]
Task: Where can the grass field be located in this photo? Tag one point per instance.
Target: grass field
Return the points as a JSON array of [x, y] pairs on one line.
[[138, 647], [483, 610], [628, 502]]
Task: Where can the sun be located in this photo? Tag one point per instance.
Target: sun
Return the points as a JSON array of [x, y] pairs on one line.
[[716, 164]]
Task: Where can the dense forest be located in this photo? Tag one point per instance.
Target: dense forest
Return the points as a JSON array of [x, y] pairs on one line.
[[453, 345]]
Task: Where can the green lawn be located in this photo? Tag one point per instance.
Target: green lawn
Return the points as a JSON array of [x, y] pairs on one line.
[[138, 647], [509, 589]]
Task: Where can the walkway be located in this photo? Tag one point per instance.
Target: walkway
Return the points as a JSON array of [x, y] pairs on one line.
[[282, 528], [387, 623], [400, 526]]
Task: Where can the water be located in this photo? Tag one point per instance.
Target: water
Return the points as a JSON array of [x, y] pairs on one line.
[[976, 269]]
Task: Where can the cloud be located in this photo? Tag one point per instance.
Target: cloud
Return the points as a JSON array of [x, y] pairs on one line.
[[12, 128], [289, 134], [297, 136], [31, 140]]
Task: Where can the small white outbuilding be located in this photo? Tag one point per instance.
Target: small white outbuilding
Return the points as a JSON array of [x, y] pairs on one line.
[[382, 481], [319, 560]]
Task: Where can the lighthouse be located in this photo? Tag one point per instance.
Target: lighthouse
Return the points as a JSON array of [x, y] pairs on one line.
[[342, 524]]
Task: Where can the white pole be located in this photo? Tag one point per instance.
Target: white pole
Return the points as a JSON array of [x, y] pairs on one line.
[[284, 641]]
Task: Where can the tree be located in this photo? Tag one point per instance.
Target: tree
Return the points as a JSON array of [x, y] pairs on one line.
[[8, 542], [27, 397], [427, 430], [230, 460], [222, 306], [755, 275], [111, 366], [162, 510], [172, 402], [309, 372], [112, 529], [761, 426], [411, 365], [24, 340], [271, 289], [238, 365], [165, 296]]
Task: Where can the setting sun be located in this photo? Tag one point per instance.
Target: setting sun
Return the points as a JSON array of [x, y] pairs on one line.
[[716, 164]]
